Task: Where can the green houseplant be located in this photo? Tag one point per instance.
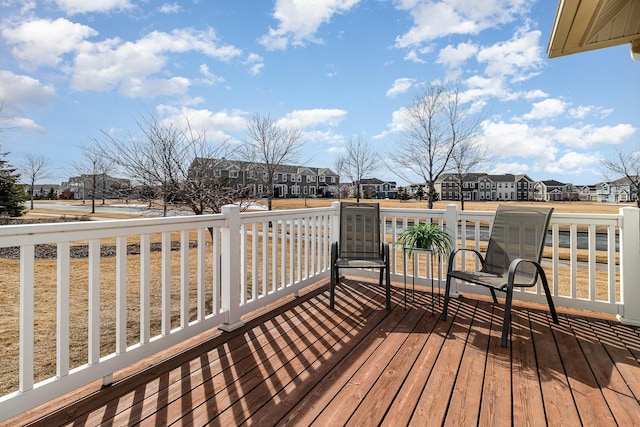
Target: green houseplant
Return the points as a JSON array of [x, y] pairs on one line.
[[426, 236]]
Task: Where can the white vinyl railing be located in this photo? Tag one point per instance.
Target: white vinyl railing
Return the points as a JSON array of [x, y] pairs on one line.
[[141, 286]]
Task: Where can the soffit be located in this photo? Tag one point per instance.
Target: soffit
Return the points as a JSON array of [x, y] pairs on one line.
[[583, 25]]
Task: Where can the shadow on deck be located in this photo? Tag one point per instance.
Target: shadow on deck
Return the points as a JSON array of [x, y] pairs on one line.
[[302, 363]]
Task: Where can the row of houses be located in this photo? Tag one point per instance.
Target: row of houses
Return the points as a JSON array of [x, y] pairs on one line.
[[306, 181]]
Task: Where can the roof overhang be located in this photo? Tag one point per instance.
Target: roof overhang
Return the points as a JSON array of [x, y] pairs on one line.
[[583, 25]]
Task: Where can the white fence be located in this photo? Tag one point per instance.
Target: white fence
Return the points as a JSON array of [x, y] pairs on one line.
[[140, 286]]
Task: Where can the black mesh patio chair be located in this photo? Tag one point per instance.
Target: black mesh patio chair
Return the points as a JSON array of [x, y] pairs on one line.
[[359, 245], [512, 258]]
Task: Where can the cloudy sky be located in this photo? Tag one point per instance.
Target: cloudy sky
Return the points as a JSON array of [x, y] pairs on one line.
[[340, 69]]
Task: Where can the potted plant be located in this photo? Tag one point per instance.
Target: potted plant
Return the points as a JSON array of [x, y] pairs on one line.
[[428, 236]]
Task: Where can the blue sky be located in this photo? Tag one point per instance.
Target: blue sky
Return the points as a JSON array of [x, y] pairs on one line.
[[339, 69]]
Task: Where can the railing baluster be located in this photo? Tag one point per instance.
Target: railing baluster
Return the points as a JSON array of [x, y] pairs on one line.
[[62, 310], [166, 283], [611, 264], [27, 267], [145, 288], [202, 271], [94, 302], [592, 262], [121, 294]]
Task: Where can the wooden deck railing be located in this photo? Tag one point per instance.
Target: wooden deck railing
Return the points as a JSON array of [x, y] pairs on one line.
[[170, 279]]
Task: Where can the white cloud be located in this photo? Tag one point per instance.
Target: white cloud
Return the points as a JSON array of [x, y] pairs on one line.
[[454, 56], [149, 88], [83, 6], [255, 63], [436, 19], [104, 66], [219, 126], [573, 163], [397, 124], [516, 57], [400, 86], [548, 108], [513, 167], [210, 79], [313, 117], [43, 42], [299, 21], [518, 140], [17, 90], [170, 8]]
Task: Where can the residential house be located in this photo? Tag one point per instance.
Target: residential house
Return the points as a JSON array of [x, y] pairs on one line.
[[99, 186], [482, 186], [553, 191], [620, 190], [43, 191], [289, 181]]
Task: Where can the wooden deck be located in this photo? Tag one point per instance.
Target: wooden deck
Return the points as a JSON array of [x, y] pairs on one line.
[[303, 364]]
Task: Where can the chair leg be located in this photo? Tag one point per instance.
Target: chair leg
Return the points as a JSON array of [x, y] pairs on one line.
[[547, 293], [493, 295], [506, 325], [335, 275], [388, 288], [445, 305]]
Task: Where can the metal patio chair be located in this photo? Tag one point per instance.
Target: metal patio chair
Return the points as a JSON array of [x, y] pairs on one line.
[[512, 258], [359, 245]]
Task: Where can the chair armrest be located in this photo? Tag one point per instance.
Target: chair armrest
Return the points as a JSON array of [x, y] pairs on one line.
[[452, 255], [513, 269]]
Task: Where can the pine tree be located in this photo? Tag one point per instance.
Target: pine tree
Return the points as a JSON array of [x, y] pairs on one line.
[[12, 195]]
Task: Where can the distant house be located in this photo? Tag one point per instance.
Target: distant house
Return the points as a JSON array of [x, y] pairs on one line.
[[100, 186], [381, 189], [43, 191], [483, 186], [620, 190], [554, 191], [289, 181], [586, 193], [371, 188]]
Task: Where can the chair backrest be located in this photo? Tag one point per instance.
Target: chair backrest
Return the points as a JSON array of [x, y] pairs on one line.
[[359, 231], [518, 232]]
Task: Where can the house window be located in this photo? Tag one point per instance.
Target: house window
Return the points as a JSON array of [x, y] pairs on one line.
[[218, 173], [321, 178], [233, 174]]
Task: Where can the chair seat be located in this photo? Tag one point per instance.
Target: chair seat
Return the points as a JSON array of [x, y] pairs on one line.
[[487, 279], [360, 263]]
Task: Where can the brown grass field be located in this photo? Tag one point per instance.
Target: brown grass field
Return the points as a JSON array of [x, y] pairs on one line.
[[45, 290]]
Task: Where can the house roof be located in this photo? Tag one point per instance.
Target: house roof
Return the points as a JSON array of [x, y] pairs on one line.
[[581, 26]]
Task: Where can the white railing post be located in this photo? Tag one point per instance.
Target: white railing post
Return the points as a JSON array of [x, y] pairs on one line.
[[630, 266], [451, 227], [230, 253], [335, 223]]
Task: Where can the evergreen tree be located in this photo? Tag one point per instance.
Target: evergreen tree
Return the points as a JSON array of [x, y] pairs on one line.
[[12, 195]]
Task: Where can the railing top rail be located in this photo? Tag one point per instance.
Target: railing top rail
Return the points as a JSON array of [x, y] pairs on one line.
[[11, 235], [421, 212], [248, 217]]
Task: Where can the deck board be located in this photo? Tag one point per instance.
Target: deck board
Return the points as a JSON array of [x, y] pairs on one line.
[[304, 364]]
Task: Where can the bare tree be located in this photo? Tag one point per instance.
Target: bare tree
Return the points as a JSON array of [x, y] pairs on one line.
[[435, 124], [625, 163], [35, 167], [359, 161], [91, 168], [271, 146], [177, 162], [466, 156]]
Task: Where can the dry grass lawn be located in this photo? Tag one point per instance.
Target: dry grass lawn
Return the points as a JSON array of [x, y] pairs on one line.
[[45, 291]]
